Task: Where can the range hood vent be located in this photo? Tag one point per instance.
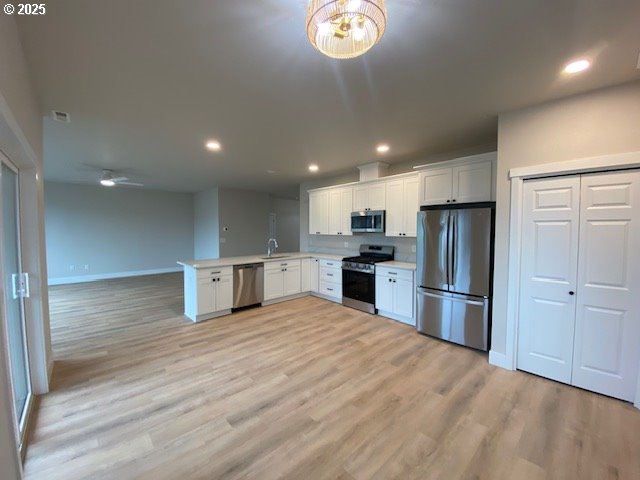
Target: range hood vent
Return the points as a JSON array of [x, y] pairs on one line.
[[373, 171]]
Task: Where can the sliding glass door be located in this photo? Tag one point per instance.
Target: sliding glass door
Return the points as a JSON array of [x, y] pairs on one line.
[[15, 290]]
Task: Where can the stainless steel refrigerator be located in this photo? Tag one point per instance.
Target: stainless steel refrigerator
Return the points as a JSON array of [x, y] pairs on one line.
[[455, 272]]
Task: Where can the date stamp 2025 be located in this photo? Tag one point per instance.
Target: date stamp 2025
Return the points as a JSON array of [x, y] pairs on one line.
[[25, 9]]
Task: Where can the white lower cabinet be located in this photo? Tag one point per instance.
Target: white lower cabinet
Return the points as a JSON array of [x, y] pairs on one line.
[[309, 270], [282, 279], [395, 294], [305, 274], [314, 271], [330, 279], [208, 292]]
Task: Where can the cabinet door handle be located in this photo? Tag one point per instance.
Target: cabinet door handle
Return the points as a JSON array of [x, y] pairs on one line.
[[453, 200], [329, 274], [572, 293], [330, 289], [390, 280]]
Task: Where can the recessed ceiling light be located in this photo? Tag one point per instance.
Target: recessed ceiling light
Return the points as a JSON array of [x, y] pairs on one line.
[[213, 145], [313, 168], [577, 66], [383, 148]]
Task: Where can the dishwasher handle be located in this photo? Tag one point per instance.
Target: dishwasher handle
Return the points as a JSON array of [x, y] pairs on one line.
[[251, 266]]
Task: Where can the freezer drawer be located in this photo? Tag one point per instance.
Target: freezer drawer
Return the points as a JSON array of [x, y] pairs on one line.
[[457, 318]]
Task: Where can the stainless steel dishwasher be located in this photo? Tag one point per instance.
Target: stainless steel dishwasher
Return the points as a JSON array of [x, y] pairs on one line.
[[248, 284]]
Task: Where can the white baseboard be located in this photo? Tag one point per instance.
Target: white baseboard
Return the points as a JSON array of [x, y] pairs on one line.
[[107, 276], [499, 360]]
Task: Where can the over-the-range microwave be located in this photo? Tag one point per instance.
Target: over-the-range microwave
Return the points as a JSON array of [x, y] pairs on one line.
[[368, 221]]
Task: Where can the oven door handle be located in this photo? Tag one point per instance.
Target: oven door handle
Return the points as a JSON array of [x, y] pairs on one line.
[[356, 270]]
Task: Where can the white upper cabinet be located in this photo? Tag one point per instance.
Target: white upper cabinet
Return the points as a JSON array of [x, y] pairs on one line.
[[402, 207], [340, 202], [411, 207], [472, 183], [319, 212], [467, 180], [370, 196], [436, 186]]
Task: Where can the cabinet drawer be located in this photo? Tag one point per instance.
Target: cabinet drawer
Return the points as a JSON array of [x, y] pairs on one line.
[[214, 272], [330, 263], [394, 273], [332, 275], [330, 289], [279, 265]]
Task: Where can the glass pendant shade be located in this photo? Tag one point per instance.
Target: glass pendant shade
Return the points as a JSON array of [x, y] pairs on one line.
[[345, 28]]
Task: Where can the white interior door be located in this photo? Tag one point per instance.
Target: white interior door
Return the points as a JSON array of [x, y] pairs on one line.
[[607, 336], [551, 211]]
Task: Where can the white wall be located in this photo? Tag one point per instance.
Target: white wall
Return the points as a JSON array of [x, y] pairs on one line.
[[597, 123], [115, 230], [245, 216], [206, 225], [21, 141]]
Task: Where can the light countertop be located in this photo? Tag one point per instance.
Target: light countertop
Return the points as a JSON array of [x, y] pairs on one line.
[[278, 257], [400, 265]]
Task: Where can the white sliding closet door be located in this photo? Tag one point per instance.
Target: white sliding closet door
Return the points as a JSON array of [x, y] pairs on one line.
[[607, 337], [548, 281]]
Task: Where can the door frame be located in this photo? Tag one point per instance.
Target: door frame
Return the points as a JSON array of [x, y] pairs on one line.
[[517, 176], [20, 423]]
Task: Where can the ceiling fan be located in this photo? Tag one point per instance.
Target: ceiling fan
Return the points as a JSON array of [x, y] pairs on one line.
[[109, 180]]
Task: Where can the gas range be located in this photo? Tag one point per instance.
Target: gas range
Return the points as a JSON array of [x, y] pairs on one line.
[[358, 279]]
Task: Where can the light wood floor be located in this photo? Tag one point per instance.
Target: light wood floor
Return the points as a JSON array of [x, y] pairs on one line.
[[301, 390]]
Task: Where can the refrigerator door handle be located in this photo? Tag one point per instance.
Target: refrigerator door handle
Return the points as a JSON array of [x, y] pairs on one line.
[[454, 233], [449, 296], [449, 252]]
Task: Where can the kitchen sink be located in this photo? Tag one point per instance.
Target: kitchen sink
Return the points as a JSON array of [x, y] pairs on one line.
[[275, 256]]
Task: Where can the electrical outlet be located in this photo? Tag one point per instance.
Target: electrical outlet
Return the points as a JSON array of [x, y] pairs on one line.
[[413, 248], [223, 240], [86, 267], [346, 244], [72, 268]]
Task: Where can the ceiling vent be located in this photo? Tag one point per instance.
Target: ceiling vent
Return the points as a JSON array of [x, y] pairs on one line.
[[61, 116]]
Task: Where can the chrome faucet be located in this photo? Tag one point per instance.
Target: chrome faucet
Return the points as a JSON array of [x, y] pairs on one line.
[[269, 249]]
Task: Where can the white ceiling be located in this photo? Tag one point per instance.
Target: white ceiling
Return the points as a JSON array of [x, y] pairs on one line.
[[147, 82]]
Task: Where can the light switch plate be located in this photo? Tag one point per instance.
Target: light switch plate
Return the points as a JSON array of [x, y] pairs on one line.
[[346, 244], [223, 240]]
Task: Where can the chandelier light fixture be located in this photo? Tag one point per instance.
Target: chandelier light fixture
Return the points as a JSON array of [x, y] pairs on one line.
[[345, 28]]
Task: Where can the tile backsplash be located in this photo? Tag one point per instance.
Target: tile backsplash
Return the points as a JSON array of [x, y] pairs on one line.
[[335, 244]]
